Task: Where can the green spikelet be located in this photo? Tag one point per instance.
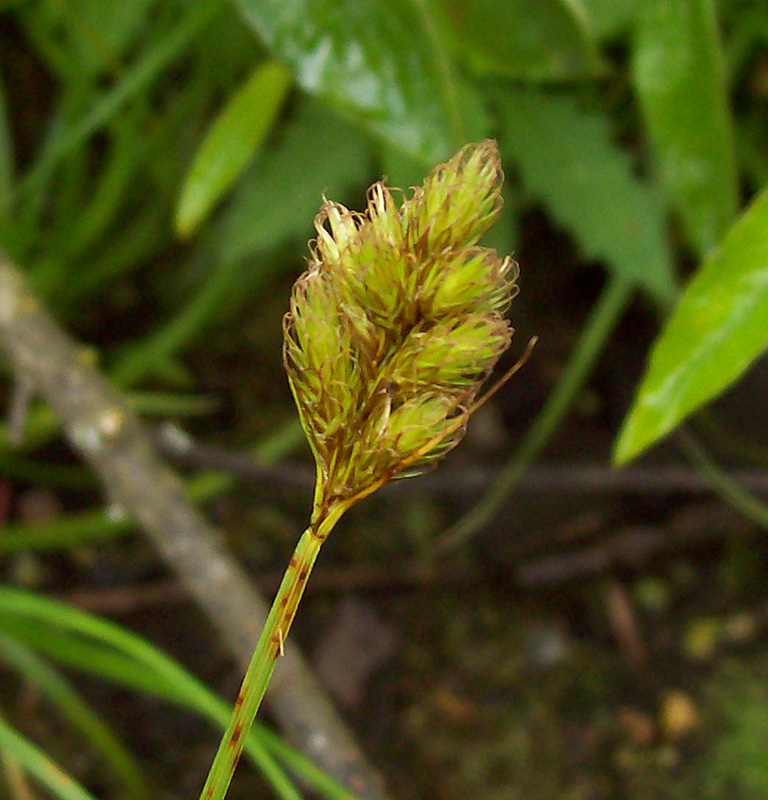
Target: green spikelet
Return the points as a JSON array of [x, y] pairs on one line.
[[396, 324]]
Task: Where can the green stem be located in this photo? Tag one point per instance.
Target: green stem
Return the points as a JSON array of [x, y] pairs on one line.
[[733, 494], [603, 319], [268, 649]]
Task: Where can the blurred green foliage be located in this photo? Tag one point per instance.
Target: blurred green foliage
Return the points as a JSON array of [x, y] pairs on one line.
[[122, 123]]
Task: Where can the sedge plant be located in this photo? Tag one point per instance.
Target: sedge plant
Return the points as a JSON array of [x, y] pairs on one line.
[[391, 332]]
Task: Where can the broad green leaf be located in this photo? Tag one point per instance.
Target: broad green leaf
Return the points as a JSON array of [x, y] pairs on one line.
[[610, 18], [567, 159], [231, 142], [400, 170], [678, 72], [719, 327], [747, 35], [547, 40], [379, 62], [317, 154]]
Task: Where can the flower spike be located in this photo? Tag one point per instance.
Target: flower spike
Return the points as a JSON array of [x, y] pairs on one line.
[[396, 323]]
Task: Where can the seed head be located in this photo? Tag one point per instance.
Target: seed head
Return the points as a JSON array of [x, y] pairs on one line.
[[396, 323]]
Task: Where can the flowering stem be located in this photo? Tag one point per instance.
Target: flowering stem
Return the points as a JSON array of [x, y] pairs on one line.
[[391, 333], [268, 649]]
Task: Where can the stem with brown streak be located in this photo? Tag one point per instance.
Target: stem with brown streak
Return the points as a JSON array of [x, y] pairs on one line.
[[268, 649]]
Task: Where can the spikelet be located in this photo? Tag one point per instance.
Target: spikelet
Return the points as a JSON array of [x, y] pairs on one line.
[[395, 325]]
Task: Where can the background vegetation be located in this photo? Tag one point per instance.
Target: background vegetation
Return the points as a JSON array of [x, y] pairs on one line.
[[588, 635]]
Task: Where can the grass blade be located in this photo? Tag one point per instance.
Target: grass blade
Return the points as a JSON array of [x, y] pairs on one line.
[[78, 712], [34, 761]]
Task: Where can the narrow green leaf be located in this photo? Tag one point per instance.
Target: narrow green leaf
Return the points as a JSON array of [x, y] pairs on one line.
[[174, 406], [79, 713], [34, 761], [547, 40], [102, 32], [124, 658], [121, 252], [66, 138], [231, 142], [719, 327], [105, 196], [154, 671], [152, 352], [74, 530], [679, 75], [567, 159], [375, 61], [69, 532], [91, 36], [6, 157]]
